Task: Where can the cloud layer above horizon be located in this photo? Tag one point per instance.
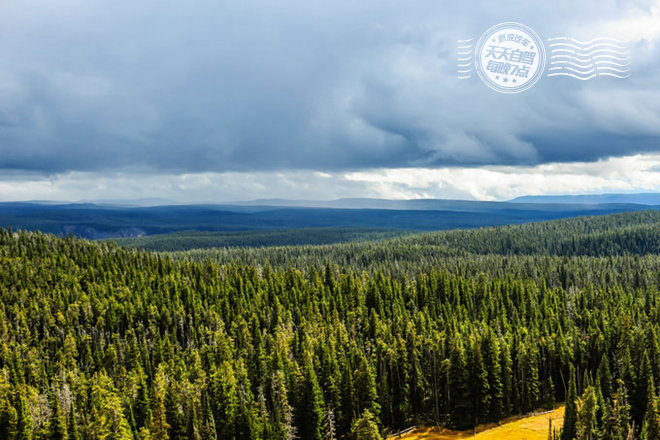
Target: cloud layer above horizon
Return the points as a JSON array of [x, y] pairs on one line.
[[150, 91]]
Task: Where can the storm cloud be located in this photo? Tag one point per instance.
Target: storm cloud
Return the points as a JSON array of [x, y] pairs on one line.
[[343, 86]]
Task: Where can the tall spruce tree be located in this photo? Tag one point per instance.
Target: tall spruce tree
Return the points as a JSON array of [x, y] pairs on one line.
[[24, 426], [587, 423], [651, 426], [72, 423], [365, 427], [569, 430], [311, 408], [58, 425]]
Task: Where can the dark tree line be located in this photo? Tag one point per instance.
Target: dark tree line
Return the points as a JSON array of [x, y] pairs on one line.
[[99, 342]]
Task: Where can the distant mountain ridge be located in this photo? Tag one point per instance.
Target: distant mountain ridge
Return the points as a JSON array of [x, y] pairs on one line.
[[107, 221], [651, 199], [638, 198]]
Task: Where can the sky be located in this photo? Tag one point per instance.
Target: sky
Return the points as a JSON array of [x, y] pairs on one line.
[[213, 101]]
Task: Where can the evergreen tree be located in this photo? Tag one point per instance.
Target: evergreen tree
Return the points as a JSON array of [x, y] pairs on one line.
[[651, 423], [481, 386], [142, 407], [248, 424], [365, 387], [173, 413], [24, 418], [365, 427], [639, 402], [461, 402], [159, 427], [491, 355], [569, 430], [225, 400], [8, 420], [612, 426], [282, 412], [507, 378], [605, 377], [72, 424], [58, 425], [587, 423], [310, 407], [192, 429], [207, 430]]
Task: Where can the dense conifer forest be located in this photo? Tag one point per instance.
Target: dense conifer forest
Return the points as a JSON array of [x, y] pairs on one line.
[[344, 341], [180, 241]]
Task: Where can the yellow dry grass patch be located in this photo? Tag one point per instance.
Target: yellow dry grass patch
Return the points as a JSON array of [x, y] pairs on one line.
[[533, 427]]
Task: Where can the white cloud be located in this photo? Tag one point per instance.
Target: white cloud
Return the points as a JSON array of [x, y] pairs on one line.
[[623, 174], [640, 23]]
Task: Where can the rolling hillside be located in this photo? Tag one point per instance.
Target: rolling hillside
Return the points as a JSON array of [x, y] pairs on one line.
[[108, 221]]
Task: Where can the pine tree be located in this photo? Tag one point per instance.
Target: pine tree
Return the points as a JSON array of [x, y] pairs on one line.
[[282, 412], [207, 431], [225, 400], [72, 423], [530, 372], [365, 428], [651, 423], [173, 414], [549, 393], [491, 355], [461, 405], [347, 399], [8, 420], [142, 408], [507, 377], [192, 430], [639, 402], [587, 424], [569, 430], [605, 377], [248, 424], [616, 419], [481, 387], [58, 424], [24, 425], [365, 387], [310, 406], [600, 402], [159, 427]]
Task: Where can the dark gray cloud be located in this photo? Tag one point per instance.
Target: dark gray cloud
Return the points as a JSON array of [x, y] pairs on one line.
[[259, 85]]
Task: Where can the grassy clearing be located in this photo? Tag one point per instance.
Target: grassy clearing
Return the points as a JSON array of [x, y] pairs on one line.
[[532, 427]]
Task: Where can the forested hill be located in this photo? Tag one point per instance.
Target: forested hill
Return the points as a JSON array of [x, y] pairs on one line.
[[110, 221], [581, 235], [634, 233], [99, 342]]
